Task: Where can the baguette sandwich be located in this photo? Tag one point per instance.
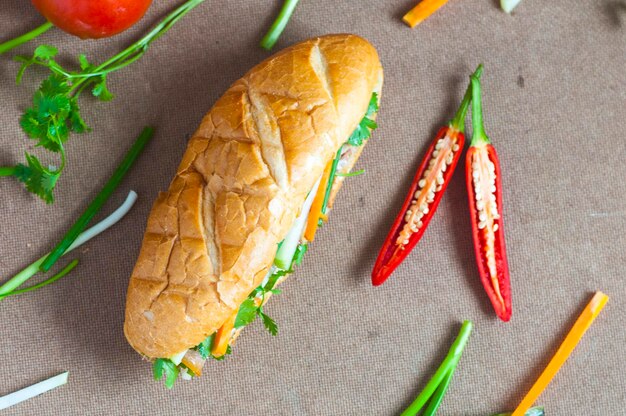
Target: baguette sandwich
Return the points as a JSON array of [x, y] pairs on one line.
[[258, 177]]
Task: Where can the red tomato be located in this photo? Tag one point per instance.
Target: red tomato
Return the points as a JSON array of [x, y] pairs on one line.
[[92, 18]]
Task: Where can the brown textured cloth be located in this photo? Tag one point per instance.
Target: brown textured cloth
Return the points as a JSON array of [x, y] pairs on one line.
[[555, 107]]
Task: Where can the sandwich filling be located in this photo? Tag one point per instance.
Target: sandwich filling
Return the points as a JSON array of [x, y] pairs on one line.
[[289, 254]]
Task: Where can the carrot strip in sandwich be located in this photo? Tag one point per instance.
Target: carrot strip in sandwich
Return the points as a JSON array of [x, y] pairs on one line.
[[222, 336], [422, 11], [575, 334], [316, 208]]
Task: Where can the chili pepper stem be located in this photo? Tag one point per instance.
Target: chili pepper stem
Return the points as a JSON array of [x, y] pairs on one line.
[[458, 122], [479, 137], [26, 37]]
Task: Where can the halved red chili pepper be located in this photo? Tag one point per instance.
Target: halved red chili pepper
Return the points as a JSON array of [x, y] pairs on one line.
[[484, 189], [430, 182]]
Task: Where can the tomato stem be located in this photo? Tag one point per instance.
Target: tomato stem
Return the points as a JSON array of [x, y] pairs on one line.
[[479, 137], [458, 122], [26, 37]]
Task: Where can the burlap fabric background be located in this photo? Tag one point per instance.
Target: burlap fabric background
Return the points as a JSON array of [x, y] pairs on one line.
[[555, 107]]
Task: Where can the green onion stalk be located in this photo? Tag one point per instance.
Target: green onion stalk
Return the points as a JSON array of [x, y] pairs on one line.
[[9, 288], [271, 37], [99, 200], [438, 384]]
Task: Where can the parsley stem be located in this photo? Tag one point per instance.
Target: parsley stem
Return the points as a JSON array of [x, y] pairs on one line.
[[137, 49], [26, 37], [46, 282], [31, 270], [99, 200], [270, 39], [7, 171]]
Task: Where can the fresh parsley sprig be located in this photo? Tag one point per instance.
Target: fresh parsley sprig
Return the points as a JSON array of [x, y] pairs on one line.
[[366, 125], [55, 112], [165, 367], [253, 307]]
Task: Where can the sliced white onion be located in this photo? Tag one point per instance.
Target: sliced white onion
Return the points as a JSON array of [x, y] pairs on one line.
[[32, 391], [284, 256]]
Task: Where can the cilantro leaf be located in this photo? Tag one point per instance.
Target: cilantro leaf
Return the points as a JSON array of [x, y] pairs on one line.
[[364, 130], [54, 84], [247, 313], [271, 282], [31, 124], [47, 120], [204, 348], [372, 107], [269, 323], [37, 179], [164, 367], [77, 124], [84, 63], [299, 254], [101, 91], [48, 105], [45, 52]]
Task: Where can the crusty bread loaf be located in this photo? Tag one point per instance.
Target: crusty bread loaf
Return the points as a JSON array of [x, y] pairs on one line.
[[212, 237]]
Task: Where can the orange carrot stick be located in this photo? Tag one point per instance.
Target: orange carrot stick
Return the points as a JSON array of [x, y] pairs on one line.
[[575, 334], [316, 208], [222, 336], [422, 11]]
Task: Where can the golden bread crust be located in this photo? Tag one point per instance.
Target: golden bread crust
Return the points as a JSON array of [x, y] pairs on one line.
[[212, 237]]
